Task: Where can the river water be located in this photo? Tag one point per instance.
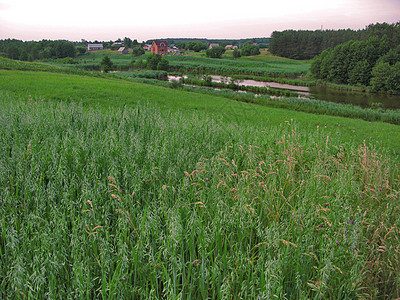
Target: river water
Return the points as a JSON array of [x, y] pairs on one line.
[[320, 93]]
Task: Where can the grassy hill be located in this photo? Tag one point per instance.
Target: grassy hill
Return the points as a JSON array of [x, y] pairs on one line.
[[117, 189]]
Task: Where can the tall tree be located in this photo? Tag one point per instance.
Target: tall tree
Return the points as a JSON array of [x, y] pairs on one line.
[[127, 42], [106, 64]]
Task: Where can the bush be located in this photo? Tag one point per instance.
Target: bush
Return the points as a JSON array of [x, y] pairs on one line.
[[249, 50], [215, 52], [163, 65], [137, 51], [152, 61], [106, 64]]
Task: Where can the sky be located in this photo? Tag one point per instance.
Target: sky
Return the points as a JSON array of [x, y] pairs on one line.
[[213, 19]]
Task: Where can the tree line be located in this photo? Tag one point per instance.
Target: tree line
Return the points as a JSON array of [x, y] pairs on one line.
[[373, 63], [48, 49], [306, 44], [45, 49]]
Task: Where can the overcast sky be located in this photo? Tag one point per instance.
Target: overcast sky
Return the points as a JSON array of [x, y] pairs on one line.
[[108, 20]]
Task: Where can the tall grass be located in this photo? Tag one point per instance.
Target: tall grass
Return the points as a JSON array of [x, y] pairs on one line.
[[142, 203]]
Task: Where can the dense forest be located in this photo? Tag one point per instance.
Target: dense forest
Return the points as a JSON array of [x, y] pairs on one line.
[[304, 44], [45, 49], [370, 63]]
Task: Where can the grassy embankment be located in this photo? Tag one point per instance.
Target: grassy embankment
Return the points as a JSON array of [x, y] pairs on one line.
[[115, 92], [206, 197]]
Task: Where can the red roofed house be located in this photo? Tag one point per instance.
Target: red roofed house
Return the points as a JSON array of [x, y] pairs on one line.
[[159, 47]]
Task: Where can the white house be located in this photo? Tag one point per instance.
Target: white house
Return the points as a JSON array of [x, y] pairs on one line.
[[230, 47], [212, 45], [147, 47], [173, 50], [123, 50], [91, 47]]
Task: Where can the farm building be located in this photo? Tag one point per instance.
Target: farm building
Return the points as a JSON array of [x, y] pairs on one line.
[[173, 49], [159, 47], [91, 47], [117, 44], [230, 47], [123, 50], [147, 47], [212, 45]]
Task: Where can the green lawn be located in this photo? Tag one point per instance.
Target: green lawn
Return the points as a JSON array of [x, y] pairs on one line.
[[114, 92]]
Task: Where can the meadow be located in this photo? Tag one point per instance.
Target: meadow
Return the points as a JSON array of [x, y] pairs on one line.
[[115, 189], [196, 63]]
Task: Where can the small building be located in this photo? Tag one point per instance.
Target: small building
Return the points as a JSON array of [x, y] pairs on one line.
[[212, 45], [92, 47], [147, 47], [117, 44], [159, 47], [173, 49], [230, 47], [123, 50]]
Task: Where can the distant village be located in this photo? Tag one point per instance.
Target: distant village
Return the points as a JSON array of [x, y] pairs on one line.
[[157, 47]]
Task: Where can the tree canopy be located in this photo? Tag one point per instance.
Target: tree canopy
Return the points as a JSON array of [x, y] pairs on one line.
[[196, 46], [16, 49], [215, 52], [369, 63], [106, 64], [249, 49], [306, 44]]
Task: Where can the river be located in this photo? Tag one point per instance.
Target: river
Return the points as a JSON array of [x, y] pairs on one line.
[[321, 93]]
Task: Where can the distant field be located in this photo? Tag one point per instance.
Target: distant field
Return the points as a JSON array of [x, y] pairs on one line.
[[262, 65]]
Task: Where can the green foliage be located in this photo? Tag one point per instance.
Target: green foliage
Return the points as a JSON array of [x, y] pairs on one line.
[[81, 50], [354, 63], [106, 64], [128, 42], [393, 80], [380, 73], [392, 57], [44, 49], [360, 73], [136, 202], [249, 49], [159, 75], [236, 53], [163, 64], [269, 66], [153, 60], [215, 52], [181, 45], [157, 62], [305, 44], [196, 46], [137, 51], [175, 84]]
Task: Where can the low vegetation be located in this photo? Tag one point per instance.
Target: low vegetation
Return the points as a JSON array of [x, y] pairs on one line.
[[138, 202]]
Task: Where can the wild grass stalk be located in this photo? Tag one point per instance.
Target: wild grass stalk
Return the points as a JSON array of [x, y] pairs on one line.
[[143, 203]]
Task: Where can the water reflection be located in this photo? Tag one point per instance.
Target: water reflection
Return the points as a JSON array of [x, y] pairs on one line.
[[355, 98], [320, 93]]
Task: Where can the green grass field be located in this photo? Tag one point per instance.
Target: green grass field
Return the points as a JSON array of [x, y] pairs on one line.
[[116, 189], [105, 92], [262, 65]]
